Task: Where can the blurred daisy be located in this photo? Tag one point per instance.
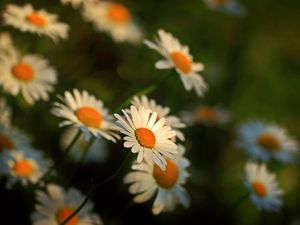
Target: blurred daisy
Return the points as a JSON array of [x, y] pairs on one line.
[[265, 193], [5, 114], [113, 18], [263, 141], [11, 139], [228, 6], [178, 57], [30, 75], [206, 115], [147, 136], [26, 18], [82, 110], [147, 179], [56, 205], [162, 112], [6, 44], [26, 166], [97, 152]]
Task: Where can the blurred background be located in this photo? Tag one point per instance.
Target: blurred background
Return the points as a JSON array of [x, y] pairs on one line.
[[252, 67]]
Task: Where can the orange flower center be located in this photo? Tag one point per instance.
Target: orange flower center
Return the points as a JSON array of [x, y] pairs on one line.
[[181, 61], [23, 168], [64, 213], [5, 143], [268, 141], [89, 116], [118, 13], [259, 188], [207, 114], [221, 2], [23, 72], [145, 137], [167, 178], [36, 19]]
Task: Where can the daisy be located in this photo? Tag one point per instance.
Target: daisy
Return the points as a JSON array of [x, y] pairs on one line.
[[82, 110], [56, 205], [26, 166], [177, 56], [262, 141], [147, 136], [5, 114], [228, 6], [97, 152], [29, 75], [6, 44], [265, 193], [147, 179], [113, 18], [172, 121], [26, 18]]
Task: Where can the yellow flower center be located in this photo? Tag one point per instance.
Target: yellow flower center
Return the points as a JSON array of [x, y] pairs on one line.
[[118, 13], [268, 141], [167, 178], [181, 61], [145, 137], [23, 72], [5, 143], [36, 19], [259, 188], [207, 113], [23, 168], [221, 2], [89, 116], [64, 213]]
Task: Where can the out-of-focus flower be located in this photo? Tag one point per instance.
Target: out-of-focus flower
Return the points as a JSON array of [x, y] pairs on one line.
[[27, 19], [162, 112], [29, 75], [207, 115], [97, 152], [147, 179], [178, 57], [147, 136], [263, 141], [114, 19], [6, 44], [56, 205], [82, 110], [265, 193], [25, 165], [227, 6], [5, 115]]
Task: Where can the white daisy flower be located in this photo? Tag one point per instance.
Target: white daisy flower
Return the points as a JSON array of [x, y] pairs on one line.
[[11, 139], [6, 44], [29, 75], [162, 112], [27, 19], [147, 136], [178, 57], [114, 19], [56, 205], [147, 179], [5, 114], [82, 110], [98, 151], [265, 193], [263, 141], [26, 166], [228, 6]]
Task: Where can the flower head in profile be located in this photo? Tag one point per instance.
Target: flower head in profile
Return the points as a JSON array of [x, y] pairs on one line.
[[148, 180], [29, 75], [25, 166], [56, 204], [162, 112], [178, 56], [27, 19], [6, 44], [147, 136], [82, 110], [5, 114], [113, 18], [227, 6], [264, 142], [265, 193]]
